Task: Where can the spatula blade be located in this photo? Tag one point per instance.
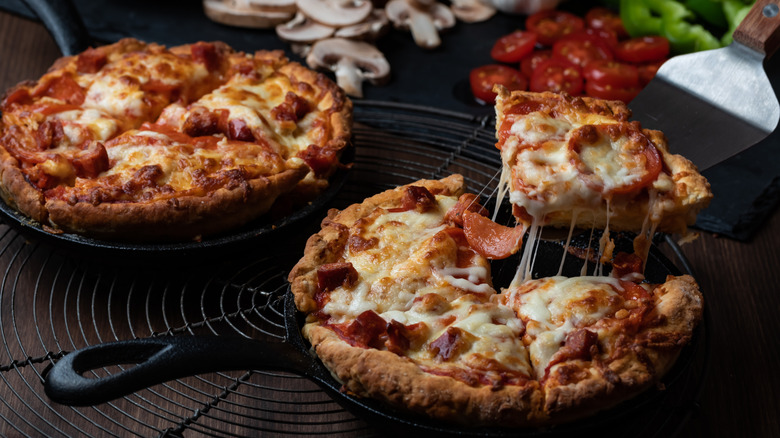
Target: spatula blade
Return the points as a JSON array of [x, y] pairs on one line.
[[710, 105]]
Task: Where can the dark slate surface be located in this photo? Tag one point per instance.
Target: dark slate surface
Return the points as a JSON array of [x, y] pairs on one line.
[[746, 187]]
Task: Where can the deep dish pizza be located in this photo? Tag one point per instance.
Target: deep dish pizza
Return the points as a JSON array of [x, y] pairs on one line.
[[140, 141], [402, 308]]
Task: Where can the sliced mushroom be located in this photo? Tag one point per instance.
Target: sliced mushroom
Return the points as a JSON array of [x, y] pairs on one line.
[[336, 13], [352, 61], [303, 30], [472, 11], [369, 29], [273, 5], [240, 13], [424, 23], [526, 7]]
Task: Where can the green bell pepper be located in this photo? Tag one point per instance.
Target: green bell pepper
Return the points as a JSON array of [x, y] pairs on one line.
[[710, 11], [669, 19]]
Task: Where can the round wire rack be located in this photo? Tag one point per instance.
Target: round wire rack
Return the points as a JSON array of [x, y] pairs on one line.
[[54, 300]]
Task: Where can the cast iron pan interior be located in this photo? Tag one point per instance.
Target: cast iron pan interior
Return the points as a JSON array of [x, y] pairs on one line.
[[160, 359]]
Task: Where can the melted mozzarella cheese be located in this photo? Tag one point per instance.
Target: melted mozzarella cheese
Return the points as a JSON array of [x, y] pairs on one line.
[[553, 307]]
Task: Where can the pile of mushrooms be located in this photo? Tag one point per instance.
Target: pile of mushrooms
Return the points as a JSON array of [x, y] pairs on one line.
[[339, 35]]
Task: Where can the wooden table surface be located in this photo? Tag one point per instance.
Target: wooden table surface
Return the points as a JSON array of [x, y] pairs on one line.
[[739, 280]]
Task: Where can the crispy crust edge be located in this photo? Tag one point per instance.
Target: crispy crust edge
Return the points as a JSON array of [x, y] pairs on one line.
[[185, 217]]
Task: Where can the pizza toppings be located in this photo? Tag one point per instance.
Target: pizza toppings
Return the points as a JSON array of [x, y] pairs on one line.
[[490, 239]]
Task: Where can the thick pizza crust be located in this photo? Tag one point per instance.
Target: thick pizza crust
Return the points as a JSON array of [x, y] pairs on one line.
[[573, 389], [393, 379], [181, 215]]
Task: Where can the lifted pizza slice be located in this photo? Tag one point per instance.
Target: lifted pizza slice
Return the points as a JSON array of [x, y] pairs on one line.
[[571, 160]]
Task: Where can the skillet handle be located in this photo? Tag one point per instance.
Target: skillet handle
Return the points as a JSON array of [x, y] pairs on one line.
[[64, 23], [159, 360]]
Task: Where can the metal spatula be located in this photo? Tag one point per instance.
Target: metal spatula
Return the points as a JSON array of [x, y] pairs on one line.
[[714, 104]]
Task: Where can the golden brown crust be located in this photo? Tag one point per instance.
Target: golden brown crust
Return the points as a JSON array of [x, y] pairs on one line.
[[183, 217], [627, 362], [75, 189], [385, 376]]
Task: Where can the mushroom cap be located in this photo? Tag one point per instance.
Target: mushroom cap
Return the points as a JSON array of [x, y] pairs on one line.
[[301, 29], [242, 16], [352, 61], [369, 29], [336, 13], [472, 11], [401, 13]]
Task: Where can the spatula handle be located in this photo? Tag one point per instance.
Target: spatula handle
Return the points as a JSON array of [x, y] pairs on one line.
[[759, 29]]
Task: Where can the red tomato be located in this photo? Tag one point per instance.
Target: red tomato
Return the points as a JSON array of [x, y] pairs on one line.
[[649, 48], [611, 92], [530, 62], [557, 75], [609, 37], [549, 26], [483, 78], [581, 48], [603, 18], [614, 73], [490, 239], [647, 72], [513, 47]]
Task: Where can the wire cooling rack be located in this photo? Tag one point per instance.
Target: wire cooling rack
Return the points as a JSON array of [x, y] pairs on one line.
[[55, 299]]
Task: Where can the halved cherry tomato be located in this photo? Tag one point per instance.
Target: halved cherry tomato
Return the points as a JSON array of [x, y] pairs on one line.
[[581, 48], [611, 92], [551, 25], [647, 72], [483, 78], [513, 47], [603, 18], [557, 75], [607, 36], [648, 48], [610, 72], [490, 239], [530, 62]]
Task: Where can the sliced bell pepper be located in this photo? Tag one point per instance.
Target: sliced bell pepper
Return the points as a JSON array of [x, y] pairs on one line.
[[710, 11], [669, 19], [683, 36]]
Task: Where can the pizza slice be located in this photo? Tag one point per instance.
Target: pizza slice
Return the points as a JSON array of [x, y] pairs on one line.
[[401, 309], [571, 161], [596, 341]]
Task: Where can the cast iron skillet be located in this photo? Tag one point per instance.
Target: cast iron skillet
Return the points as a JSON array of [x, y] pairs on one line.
[[160, 359]]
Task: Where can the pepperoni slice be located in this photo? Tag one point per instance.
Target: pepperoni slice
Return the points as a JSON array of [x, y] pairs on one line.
[[490, 239]]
